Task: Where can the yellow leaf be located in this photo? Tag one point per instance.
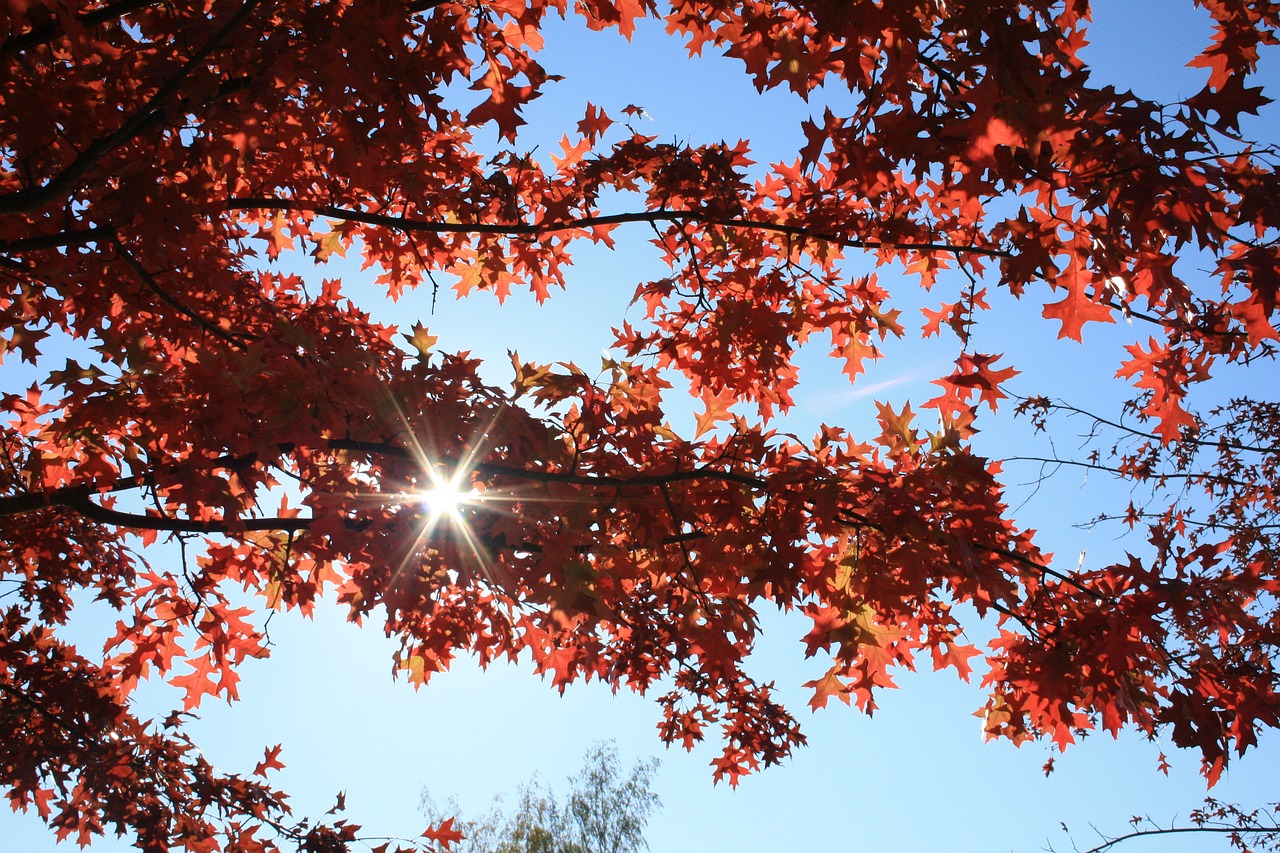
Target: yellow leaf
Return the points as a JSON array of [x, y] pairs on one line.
[[421, 341]]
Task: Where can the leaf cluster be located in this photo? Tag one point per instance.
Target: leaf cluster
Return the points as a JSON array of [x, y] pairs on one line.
[[159, 160]]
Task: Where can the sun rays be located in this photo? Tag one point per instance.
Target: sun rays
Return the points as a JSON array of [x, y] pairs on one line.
[[446, 497]]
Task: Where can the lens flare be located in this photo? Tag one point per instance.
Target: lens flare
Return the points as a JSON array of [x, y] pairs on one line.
[[445, 499], [445, 496]]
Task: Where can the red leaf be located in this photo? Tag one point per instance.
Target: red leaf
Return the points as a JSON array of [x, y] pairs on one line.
[[1077, 307], [269, 762], [595, 123], [444, 833]]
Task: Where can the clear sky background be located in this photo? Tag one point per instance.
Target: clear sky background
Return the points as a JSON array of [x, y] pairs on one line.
[[917, 776]]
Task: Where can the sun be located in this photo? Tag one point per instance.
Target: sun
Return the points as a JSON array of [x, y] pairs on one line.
[[445, 498]]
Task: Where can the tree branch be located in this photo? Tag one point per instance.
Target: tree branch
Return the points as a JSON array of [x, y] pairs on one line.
[[77, 498], [138, 521], [417, 7], [1195, 476], [1231, 445], [31, 501], [1174, 830], [61, 240], [149, 281], [49, 31], [600, 480], [527, 229]]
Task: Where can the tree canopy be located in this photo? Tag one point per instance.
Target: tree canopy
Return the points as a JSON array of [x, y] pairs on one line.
[[158, 160], [604, 812]]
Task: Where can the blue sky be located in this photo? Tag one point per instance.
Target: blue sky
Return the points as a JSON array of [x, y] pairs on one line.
[[915, 777]]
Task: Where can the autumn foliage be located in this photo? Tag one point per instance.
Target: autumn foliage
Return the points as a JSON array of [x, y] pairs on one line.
[[157, 158]]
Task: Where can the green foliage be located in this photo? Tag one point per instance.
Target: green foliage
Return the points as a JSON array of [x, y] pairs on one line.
[[604, 812]]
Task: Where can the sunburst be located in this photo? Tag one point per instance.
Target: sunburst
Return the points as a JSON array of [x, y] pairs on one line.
[[446, 497]]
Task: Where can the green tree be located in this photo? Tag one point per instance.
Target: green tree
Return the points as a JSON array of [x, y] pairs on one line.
[[605, 812]]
